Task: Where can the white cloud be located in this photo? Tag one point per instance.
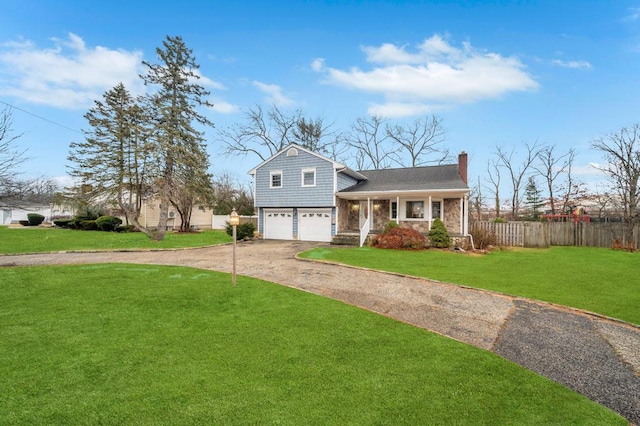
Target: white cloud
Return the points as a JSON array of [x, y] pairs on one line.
[[207, 82], [64, 181], [589, 170], [432, 49], [634, 15], [274, 94], [223, 107], [573, 64], [436, 75], [69, 75], [397, 110], [317, 64]]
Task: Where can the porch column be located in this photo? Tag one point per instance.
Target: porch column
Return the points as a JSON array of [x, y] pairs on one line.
[[430, 212], [465, 215], [398, 210], [337, 218], [369, 213]]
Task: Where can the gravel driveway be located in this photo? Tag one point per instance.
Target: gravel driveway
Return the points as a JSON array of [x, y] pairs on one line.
[[596, 356]]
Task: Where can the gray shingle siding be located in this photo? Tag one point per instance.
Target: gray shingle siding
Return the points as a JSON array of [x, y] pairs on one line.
[[292, 193], [345, 181]]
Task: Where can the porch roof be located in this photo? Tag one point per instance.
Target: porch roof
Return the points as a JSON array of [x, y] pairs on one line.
[[409, 181]]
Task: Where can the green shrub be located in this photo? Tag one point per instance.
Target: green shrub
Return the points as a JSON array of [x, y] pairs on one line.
[[88, 225], [243, 231], [89, 213], [62, 223], [35, 219], [24, 222], [390, 225], [400, 239], [125, 228], [438, 234], [499, 220], [108, 223]]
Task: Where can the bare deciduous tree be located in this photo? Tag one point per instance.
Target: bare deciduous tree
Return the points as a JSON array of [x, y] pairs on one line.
[[476, 200], [263, 134], [493, 178], [10, 157], [369, 141], [551, 167], [230, 194], [518, 171], [421, 141], [622, 153], [316, 136], [40, 190], [601, 198]]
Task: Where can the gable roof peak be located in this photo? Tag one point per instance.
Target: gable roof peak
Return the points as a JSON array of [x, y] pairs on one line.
[[336, 165]]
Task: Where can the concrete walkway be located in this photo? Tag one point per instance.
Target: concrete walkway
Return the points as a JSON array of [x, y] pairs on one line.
[[596, 356]]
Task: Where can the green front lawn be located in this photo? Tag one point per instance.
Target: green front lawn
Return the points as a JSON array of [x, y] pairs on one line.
[[141, 344], [31, 240], [598, 280]]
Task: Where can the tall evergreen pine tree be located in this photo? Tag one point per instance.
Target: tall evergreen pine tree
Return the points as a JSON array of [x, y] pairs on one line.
[[180, 147]]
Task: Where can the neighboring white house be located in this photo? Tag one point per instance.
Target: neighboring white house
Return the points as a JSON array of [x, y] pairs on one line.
[[11, 214]]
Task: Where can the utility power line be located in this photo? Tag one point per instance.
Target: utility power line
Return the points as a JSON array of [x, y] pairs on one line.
[[41, 118]]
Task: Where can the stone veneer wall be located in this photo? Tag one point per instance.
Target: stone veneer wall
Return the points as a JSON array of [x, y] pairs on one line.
[[381, 214], [348, 217], [420, 226], [452, 215]]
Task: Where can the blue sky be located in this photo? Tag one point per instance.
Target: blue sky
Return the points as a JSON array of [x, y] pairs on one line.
[[498, 73]]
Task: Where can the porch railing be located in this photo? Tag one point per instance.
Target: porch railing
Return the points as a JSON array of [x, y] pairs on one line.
[[364, 232]]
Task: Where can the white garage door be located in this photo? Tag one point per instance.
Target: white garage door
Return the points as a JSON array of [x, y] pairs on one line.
[[278, 224], [314, 224]]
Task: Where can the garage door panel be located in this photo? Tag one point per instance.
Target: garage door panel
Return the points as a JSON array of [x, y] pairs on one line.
[[314, 224], [278, 224]]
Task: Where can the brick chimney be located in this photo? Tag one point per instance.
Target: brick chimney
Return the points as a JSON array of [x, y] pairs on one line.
[[462, 166]]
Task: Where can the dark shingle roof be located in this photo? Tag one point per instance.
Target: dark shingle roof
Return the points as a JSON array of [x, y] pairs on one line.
[[443, 177]]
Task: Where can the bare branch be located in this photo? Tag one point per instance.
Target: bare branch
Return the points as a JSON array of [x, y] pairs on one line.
[[518, 172], [369, 141], [10, 156], [551, 167], [493, 177], [622, 152], [420, 140]]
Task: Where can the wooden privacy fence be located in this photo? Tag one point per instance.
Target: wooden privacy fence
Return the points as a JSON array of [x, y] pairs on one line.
[[545, 234]]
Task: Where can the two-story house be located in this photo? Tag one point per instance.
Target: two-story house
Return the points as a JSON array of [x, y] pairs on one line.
[[301, 195]]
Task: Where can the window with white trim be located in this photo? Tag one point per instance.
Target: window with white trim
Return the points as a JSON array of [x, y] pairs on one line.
[[415, 210], [275, 180], [436, 209], [308, 177]]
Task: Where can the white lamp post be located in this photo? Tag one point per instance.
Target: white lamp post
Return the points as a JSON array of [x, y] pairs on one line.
[[234, 221]]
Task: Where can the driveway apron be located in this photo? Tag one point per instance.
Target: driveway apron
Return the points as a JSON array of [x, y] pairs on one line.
[[597, 357]]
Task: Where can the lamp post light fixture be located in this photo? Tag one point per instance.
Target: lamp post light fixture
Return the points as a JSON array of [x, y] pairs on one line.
[[234, 221]]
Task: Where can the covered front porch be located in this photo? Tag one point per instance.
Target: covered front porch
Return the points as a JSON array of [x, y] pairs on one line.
[[363, 214]]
